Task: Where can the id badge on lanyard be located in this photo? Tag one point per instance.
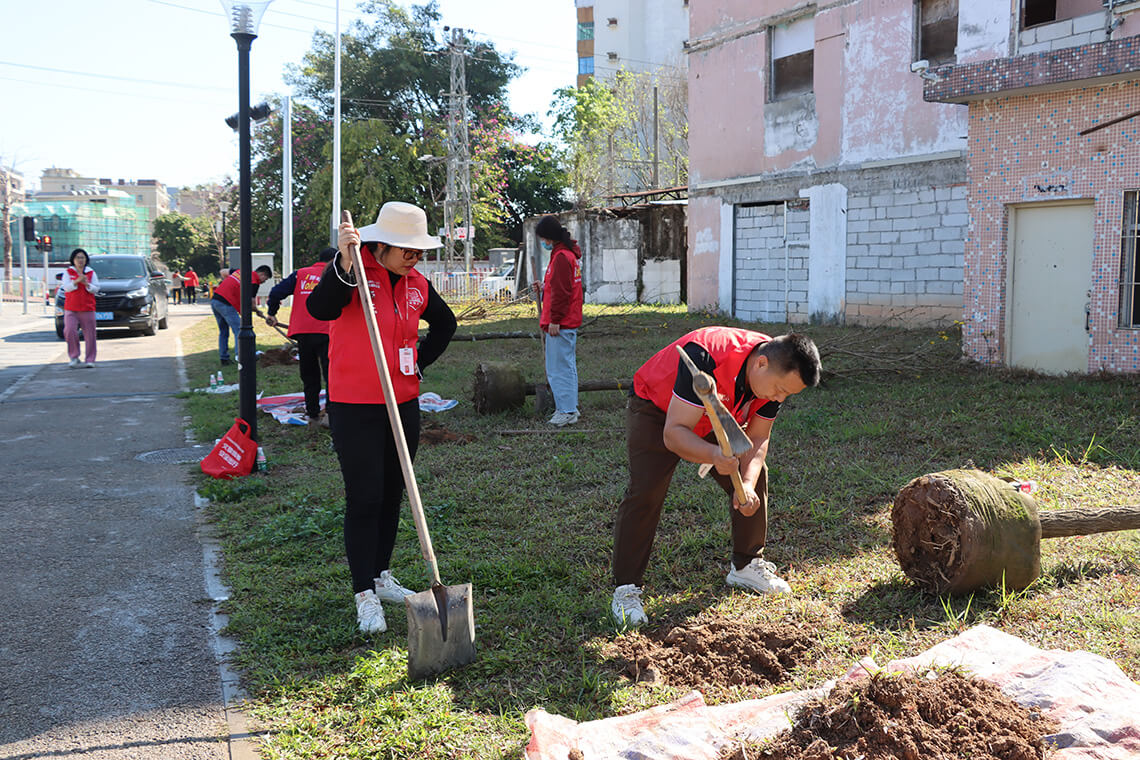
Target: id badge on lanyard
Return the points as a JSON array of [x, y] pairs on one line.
[[407, 361]]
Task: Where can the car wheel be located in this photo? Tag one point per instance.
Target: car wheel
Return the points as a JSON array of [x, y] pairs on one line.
[[59, 329], [162, 325], [151, 325]]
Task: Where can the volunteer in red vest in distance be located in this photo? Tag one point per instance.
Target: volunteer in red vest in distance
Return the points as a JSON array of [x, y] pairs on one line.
[[358, 420], [311, 334], [666, 422], [227, 301], [561, 316], [80, 285], [190, 285]]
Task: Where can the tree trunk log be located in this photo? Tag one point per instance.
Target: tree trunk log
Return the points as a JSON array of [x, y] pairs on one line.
[[1082, 522], [589, 385]]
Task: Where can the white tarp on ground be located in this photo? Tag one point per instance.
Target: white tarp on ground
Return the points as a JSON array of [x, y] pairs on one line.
[[1096, 705]]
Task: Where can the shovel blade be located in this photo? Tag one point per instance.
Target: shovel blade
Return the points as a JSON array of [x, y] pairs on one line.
[[429, 653]]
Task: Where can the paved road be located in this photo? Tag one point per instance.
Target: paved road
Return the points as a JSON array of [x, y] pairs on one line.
[[105, 637]]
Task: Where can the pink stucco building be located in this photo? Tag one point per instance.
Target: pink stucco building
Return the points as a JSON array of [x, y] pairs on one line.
[[826, 185]]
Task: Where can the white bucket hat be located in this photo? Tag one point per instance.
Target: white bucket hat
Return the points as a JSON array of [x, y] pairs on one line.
[[402, 225]]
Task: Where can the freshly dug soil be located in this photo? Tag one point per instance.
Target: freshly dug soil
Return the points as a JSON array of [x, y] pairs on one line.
[[273, 356], [706, 656], [909, 717], [434, 433]]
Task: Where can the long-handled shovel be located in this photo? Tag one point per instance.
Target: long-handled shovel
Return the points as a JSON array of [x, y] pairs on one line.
[[441, 623]]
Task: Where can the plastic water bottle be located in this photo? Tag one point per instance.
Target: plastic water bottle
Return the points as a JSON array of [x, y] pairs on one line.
[[221, 380], [262, 464], [213, 381]]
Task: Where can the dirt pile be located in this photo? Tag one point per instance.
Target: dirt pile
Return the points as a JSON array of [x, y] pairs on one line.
[[273, 356], [908, 717], [708, 656], [433, 433]]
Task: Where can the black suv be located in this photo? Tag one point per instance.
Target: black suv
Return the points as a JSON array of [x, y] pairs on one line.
[[132, 294]]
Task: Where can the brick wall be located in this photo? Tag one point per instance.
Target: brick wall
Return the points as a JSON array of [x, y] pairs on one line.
[[904, 256], [905, 253]]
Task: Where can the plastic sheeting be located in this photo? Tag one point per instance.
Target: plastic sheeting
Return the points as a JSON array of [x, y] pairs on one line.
[[1094, 702]]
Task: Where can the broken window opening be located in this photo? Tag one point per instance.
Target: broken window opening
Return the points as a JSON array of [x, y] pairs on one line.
[[937, 31], [793, 53]]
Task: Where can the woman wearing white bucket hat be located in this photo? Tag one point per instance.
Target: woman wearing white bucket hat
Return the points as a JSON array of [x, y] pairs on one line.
[[362, 435]]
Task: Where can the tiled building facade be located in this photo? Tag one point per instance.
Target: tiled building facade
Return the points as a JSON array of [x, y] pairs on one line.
[[1056, 133]]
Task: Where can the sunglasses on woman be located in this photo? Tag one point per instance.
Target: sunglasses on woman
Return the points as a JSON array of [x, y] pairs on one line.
[[411, 254]]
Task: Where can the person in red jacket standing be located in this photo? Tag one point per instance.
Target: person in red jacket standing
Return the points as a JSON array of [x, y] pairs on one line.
[[80, 284], [666, 422], [358, 419], [561, 316], [312, 335], [190, 285]]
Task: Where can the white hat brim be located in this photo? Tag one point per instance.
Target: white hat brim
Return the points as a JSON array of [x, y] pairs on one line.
[[372, 233]]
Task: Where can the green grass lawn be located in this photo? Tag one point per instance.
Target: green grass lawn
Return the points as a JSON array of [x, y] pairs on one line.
[[527, 519]]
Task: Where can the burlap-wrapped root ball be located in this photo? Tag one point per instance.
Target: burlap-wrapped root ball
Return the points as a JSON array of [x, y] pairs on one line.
[[960, 530]]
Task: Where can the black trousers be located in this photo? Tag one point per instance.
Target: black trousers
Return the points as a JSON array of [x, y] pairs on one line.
[[373, 482], [313, 352], [190, 293]]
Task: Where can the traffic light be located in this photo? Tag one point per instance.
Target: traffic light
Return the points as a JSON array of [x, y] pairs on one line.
[[29, 228], [45, 243], [256, 113]]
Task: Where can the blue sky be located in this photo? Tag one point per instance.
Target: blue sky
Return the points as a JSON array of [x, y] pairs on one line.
[[138, 89]]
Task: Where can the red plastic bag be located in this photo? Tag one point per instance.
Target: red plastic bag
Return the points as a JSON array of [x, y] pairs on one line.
[[234, 454]]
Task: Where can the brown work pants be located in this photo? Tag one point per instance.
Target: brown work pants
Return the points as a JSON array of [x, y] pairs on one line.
[[651, 467]]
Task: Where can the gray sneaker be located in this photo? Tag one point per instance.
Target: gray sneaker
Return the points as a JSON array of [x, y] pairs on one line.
[[370, 613], [626, 606], [759, 576], [564, 418], [388, 589]]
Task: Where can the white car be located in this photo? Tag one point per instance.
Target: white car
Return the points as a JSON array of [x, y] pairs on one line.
[[499, 285]]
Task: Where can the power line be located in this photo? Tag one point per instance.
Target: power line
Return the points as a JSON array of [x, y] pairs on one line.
[[111, 76], [107, 92]]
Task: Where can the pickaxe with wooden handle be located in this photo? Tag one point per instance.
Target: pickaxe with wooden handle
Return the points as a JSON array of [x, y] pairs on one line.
[[731, 437]]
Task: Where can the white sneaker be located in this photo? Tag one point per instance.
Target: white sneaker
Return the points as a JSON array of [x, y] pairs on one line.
[[369, 613], [90, 365], [564, 418], [626, 606], [759, 576], [388, 589], [73, 363]]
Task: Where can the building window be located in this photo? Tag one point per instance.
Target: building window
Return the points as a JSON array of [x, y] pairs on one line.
[[792, 47], [585, 30], [611, 22], [612, 56], [1035, 12], [586, 65], [937, 30], [1130, 261]]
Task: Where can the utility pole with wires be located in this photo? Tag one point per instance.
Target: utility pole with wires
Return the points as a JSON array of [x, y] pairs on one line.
[[458, 202]]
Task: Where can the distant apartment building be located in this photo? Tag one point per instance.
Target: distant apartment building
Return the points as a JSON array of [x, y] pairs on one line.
[[634, 35], [149, 194], [11, 186]]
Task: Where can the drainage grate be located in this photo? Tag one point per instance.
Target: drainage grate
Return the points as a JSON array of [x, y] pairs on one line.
[[174, 456]]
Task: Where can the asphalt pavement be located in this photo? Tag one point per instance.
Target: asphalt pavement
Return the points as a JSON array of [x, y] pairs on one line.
[[107, 637]]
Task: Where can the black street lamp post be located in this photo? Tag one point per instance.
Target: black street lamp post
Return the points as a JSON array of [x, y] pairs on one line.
[[244, 18], [223, 206]]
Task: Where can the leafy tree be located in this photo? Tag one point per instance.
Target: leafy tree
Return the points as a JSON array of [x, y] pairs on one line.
[[585, 118], [394, 77], [178, 237]]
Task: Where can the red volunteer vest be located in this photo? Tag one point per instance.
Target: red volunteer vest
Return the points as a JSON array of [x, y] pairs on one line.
[[80, 299], [352, 369], [573, 316], [729, 348], [229, 289], [190, 279], [300, 320]]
